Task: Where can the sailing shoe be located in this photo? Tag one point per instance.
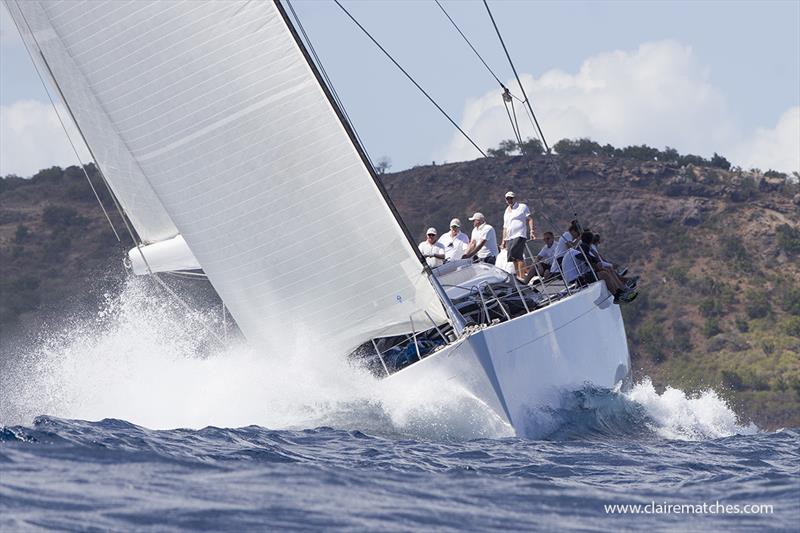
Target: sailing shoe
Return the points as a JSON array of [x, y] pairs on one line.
[[628, 296], [621, 272], [631, 282]]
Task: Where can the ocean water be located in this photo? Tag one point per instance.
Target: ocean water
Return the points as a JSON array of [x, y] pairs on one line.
[[135, 420]]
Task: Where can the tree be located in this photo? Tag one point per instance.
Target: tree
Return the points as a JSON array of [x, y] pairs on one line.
[[531, 146], [505, 148], [383, 164], [720, 162], [577, 147]]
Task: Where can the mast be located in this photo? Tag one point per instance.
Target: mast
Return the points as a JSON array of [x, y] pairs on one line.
[[456, 318]]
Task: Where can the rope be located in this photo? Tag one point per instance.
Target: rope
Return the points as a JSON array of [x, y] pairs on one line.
[[411, 79], [328, 80], [60, 120]]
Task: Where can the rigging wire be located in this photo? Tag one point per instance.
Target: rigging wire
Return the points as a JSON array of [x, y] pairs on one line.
[[418, 86], [528, 103], [516, 75], [506, 91], [328, 80], [453, 22]]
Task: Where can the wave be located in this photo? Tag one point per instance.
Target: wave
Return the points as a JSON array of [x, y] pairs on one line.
[[146, 360]]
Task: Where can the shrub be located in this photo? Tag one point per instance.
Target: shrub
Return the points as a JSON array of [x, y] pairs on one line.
[[62, 216], [732, 380], [733, 250], [792, 326], [711, 327], [720, 162], [711, 307], [791, 301], [681, 339], [642, 152], [789, 238], [651, 336], [532, 146], [577, 147], [757, 304], [678, 273], [742, 325]]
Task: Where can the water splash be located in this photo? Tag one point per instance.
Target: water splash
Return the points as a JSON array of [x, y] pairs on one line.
[[675, 414], [144, 359]]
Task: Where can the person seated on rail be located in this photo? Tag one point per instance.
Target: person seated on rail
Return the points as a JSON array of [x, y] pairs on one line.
[[590, 261], [620, 270], [432, 251], [483, 244], [568, 240], [455, 241], [543, 263]]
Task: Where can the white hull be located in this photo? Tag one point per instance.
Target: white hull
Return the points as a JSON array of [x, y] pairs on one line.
[[530, 362]]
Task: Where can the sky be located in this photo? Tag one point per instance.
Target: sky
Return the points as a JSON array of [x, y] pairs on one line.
[[701, 77]]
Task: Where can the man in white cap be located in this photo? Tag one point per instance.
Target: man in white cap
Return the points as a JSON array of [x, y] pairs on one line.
[[483, 244], [432, 251], [516, 220], [454, 241]]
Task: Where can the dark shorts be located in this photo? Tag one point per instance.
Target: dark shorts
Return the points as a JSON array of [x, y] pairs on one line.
[[488, 259], [516, 249]]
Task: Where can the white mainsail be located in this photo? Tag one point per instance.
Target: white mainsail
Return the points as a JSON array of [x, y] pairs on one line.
[[206, 115]]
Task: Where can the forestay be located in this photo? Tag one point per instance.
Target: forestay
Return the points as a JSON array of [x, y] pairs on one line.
[[214, 107]]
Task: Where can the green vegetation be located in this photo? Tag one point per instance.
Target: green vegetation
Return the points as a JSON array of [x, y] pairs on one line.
[[789, 238]]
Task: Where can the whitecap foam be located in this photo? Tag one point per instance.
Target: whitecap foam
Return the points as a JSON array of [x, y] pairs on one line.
[[675, 414]]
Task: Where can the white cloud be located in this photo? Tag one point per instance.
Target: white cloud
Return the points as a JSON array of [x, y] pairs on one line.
[[659, 95], [777, 148], [31, 138]]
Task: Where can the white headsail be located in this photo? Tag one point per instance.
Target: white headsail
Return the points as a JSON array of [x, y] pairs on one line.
[[207, 115]]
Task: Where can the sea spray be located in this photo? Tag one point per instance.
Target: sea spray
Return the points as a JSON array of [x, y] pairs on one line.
[[145, 359], [677, 415]]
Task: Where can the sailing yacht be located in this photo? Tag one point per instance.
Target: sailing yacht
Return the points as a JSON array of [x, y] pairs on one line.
[[221, 143]]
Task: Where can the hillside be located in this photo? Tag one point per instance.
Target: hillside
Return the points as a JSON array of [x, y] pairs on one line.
[[717, 251]]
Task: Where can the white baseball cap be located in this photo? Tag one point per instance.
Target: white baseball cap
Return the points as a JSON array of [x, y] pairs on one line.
[[510, 194], [477, 216], [431, 231], [455, 222]]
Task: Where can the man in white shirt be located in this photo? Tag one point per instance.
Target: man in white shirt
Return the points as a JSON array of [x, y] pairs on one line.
[[572, 265], [483, 244], [454, 241], [544, 259], [516, 220], [432, 251], [569, 239]]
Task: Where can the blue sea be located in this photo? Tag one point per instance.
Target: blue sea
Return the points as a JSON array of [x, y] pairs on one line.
[[132, 420]]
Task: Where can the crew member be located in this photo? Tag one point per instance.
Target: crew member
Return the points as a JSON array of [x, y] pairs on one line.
[[483, 244], [432, 251], [516, 219], [455, 242]]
